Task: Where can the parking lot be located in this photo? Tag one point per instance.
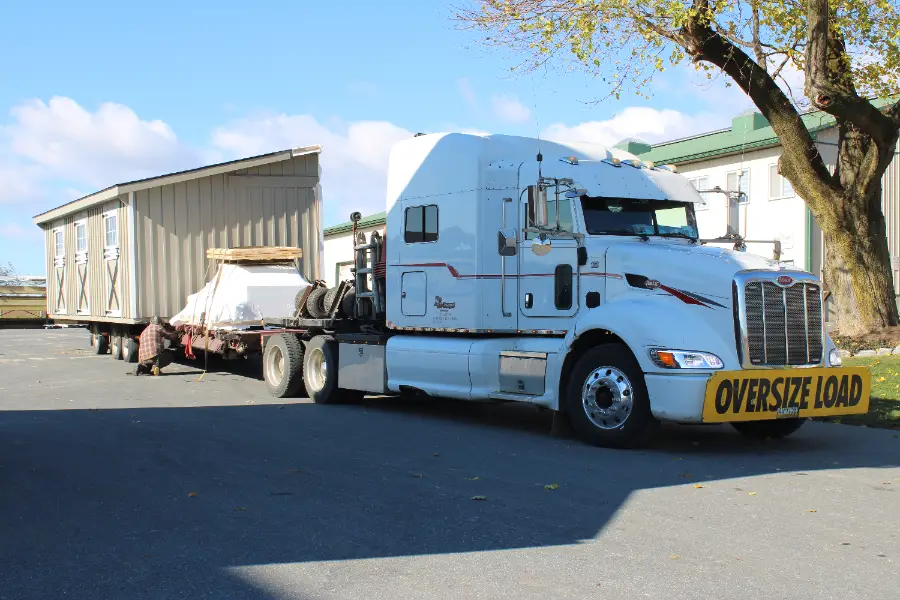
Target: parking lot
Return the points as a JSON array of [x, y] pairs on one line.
[[116, 487]]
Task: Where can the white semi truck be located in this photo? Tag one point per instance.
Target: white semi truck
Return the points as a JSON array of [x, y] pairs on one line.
[[570, 277]]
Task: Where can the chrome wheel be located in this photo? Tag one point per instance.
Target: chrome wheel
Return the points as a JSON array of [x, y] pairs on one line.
[[318, 370], [274, 365], [607, 397]]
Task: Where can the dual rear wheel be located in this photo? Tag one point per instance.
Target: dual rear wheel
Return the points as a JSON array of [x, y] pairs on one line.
[[290, 365]]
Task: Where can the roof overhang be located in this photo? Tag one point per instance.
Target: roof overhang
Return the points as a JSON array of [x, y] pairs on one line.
[[113, 192]]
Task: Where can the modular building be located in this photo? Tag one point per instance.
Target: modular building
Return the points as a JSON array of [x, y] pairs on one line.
[[136, 250]]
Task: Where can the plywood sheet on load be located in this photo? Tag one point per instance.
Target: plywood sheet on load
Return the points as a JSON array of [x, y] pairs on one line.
[[255, 254]]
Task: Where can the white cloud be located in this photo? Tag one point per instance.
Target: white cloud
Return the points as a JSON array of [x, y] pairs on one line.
[[510, 109], [468, 93], [63, 140], [649, 124], [14, 230], [354, 159]]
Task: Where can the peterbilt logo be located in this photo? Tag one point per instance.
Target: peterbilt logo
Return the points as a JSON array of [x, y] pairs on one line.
[[785, 280], [439, 303], [651, 284]]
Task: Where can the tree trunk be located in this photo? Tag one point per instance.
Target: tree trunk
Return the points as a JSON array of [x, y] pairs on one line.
[[858, 269]]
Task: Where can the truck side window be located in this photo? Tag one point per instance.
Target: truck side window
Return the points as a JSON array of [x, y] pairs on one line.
[[421, 224], [566, 223]]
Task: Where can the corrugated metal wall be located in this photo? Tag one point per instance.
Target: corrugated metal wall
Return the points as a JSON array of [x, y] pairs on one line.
[[271, 205]]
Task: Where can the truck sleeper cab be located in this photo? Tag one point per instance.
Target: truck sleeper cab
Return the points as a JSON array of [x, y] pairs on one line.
[[577, 282]]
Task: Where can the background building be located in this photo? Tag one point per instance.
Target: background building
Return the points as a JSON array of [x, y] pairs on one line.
[[338, 252], [745, 157]]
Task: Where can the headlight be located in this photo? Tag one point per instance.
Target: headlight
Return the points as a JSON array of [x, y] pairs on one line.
[[685, 359], [834, 358]]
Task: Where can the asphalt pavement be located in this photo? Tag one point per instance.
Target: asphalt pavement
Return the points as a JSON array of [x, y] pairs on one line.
[[181, 486]]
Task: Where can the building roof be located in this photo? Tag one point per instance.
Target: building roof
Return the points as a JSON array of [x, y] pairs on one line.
[[114, 191], [370, 221], [747, 132]]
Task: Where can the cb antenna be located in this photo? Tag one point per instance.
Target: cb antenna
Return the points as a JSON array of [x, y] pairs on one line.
[[537, 124]]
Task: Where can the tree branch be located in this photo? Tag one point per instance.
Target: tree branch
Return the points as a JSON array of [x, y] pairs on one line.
[[757, 45], [802, 157], [829, 83]]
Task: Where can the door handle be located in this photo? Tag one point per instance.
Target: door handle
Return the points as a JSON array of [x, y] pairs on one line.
[[529, 300]]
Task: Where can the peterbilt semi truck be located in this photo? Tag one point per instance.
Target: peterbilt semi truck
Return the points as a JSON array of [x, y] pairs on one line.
[[570, 277]]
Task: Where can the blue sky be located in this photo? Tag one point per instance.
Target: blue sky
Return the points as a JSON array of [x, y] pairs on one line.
[[95, 93]]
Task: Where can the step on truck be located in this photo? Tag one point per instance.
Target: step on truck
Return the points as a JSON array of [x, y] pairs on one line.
[[570, 277]]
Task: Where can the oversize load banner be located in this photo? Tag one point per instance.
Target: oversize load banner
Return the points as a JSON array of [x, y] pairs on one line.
[[756, 395]]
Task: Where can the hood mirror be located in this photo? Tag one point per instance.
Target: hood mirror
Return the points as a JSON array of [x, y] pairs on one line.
[[541, 245]]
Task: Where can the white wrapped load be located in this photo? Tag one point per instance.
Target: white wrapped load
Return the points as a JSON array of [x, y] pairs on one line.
[[240, 296]]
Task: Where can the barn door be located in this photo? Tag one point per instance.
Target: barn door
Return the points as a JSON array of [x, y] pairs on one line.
[[111, 263], [81, 268], [59, 267]]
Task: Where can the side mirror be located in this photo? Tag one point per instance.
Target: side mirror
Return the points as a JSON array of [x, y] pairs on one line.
[[506, 242], [537, 206]]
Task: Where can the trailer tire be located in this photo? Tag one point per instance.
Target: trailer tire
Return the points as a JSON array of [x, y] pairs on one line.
[[762, 430], [282, 365], [115, 345], [100, 343], [129, 349], [315, 304], [607, 398]]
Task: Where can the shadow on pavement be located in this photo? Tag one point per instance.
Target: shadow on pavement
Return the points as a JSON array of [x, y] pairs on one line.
[[161, 502]]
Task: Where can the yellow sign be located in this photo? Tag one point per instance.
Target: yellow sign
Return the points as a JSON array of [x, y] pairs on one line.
[[757, 395]]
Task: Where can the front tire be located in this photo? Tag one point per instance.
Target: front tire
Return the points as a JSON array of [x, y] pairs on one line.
[[763, 430], [282, 365], [607, 399]]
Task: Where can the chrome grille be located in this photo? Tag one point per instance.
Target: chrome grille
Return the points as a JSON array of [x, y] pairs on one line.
[[783, 324]]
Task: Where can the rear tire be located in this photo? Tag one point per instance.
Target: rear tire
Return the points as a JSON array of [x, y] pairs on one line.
[[282, 365], [320, 372], [762, 430], [115, 345], [607, 399], [315, 304], [129, 349]]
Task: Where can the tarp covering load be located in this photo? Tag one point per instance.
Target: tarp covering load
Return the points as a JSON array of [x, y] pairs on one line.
[[243, 295]]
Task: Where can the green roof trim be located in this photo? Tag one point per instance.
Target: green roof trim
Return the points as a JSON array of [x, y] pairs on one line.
[[370, 221], [747, 132]]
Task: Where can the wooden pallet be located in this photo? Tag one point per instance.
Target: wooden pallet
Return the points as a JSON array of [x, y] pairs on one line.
[[255, 254]]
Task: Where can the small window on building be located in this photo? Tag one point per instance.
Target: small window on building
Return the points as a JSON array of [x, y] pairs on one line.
[[111, 229], [779, 187], [59, 240], [739, 181], [701, 183], [421, 224], [80, 237]]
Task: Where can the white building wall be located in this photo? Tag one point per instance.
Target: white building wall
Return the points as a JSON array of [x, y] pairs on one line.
[[339, 254], [762, 217]]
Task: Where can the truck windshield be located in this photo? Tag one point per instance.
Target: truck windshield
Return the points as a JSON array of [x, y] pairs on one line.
[[637, 216]]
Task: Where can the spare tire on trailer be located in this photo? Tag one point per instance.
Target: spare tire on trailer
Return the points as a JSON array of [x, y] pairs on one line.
[[330, 295], [315, 304], [348, 303], [283, 365]]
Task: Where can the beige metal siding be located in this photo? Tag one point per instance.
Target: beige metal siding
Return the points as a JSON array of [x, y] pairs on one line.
[[175, 224]]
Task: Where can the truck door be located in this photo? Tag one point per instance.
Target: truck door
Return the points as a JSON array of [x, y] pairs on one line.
[[548, 279]]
